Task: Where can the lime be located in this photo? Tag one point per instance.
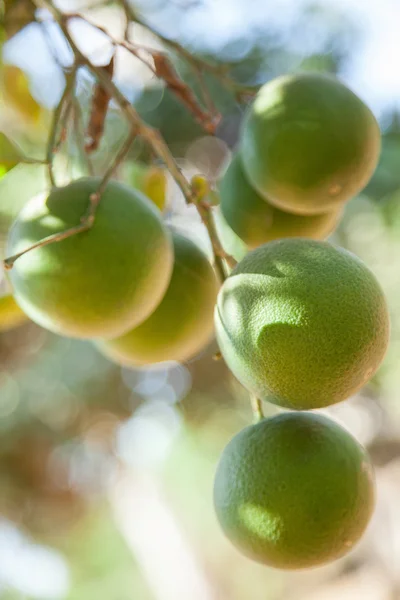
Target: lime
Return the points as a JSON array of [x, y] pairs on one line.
[[294, 491], [302, 323], [256, 221], [308, 143], [182, 324], [98, 283]]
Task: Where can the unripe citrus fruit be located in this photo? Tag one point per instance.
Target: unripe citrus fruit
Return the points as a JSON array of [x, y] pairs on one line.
[[98, 283], [10, 314], [309, 143], [182, 324], [302, 323], [230, 241], [294, 491], [256, 221]]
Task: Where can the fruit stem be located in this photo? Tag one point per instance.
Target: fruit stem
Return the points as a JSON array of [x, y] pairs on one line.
[[199, 65], [8, 263], [138, 128], [256, 406], [148, 133], [88, 218], [60, 118], [201, 191]]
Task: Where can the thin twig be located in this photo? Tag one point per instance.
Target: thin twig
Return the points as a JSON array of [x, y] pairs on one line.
[[60, 118], [148, 133], [151, 135], [8, 263], [201, 188], [162, 68], [221, 72], [95, 198], [79, 133], [205, 92], [88, 218], [98, 113], [256, 406], [126, 9], [33, 161]]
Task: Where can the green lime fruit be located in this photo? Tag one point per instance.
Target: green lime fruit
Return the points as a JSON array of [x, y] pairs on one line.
[[98, 283], [308, 143], [302, 323], [229, 240], [11, 315], [257, 222], [294, 491], [182, 325]]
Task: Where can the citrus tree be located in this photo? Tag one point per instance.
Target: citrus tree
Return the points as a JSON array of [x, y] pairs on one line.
[[300, 322]]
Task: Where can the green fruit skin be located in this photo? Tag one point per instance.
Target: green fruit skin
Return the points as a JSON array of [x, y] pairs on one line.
[[294, 491], [301, 323], [257, 222], [229, 240], [11, 315], [183, 324], [308, 143], [98, 283]]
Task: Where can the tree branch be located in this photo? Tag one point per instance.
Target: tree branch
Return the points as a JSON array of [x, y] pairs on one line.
[[220, 72], [60, 118], [138, 128], [256, 406], [87, 220]]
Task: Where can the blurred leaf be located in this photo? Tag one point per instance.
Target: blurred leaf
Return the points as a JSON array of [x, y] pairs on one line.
[[11, 315], [10, 155], [151, 180], [16, 93]]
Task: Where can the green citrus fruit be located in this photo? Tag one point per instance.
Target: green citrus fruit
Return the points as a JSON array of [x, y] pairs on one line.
[[256, 221], [98, 283], [302, 323], [294, 491], [182, 325], [229, 240], [10, 314], [308, 143]]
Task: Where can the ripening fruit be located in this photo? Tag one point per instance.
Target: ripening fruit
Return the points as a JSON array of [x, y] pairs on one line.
[[10, 314], [302, 323], [256, 221], [309, 143], [98, 283], [183, 324], [229, 240], [294, 491], [16, 93], [149, 179]]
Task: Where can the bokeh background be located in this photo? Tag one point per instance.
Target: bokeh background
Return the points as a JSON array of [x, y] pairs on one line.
[[106, 473]]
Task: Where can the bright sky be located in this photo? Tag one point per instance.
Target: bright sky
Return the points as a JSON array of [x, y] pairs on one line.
[[228, 25]]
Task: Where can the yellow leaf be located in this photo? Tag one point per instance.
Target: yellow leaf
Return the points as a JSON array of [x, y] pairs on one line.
[[155, 186], [16, 92], [150, 180], [10, 155]]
